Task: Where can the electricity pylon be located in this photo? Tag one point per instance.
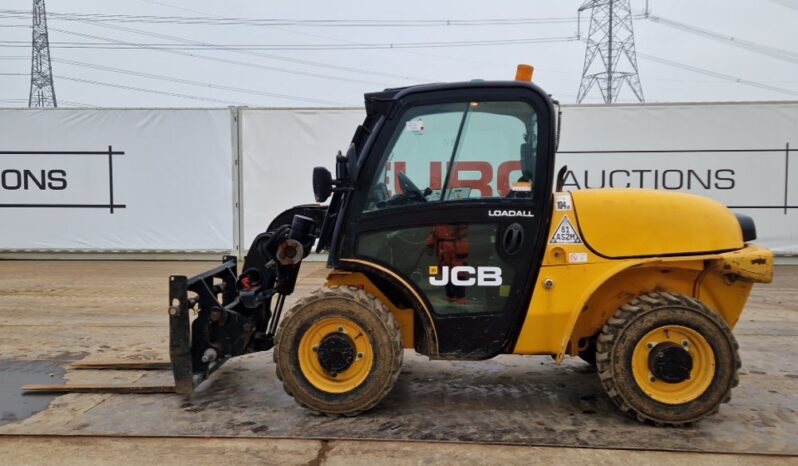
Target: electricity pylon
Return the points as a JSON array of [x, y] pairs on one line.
[[42, 91], [610, 57]]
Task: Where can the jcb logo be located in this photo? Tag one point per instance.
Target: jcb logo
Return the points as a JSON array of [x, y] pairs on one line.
[[464, 275]]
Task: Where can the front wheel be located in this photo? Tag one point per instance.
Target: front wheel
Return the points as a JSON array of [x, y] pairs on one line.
[[338, 351], [667, 359]]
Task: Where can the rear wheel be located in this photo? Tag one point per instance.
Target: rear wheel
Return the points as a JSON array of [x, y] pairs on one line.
[[338, 351], [667, 359]]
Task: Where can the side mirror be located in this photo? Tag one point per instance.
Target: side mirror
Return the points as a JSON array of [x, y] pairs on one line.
[[322, 184]]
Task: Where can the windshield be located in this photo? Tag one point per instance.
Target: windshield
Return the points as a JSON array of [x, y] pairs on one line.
[[458, 151]]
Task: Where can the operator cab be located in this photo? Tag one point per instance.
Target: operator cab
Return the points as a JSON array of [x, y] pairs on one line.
[[444, 193]]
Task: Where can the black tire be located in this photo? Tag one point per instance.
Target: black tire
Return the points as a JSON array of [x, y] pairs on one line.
[[380, 328], [630, 323]]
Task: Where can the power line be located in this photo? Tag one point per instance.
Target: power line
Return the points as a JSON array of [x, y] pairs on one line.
[[67, 102], [751, 46], [715, 74], [150, 91], [72, 103], [138, 89], [264, 55], [15, 101], [322, 36], [786, 4], [233, 21], [295, 47], [95, 18], [248, 64], [197, 83], [180, 80], [168, 49], [176, 80]]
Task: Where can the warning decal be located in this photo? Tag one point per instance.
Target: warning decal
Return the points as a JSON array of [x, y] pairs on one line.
[[565, 234]]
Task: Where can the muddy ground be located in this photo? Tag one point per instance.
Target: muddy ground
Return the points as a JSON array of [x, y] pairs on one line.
[[54, 312]]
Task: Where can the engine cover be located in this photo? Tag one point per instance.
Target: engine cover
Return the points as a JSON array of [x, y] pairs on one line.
[[620, 223]]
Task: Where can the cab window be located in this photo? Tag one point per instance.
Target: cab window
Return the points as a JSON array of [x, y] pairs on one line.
[[458, 152]]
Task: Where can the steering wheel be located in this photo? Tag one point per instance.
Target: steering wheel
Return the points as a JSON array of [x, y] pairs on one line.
[[409, 188]]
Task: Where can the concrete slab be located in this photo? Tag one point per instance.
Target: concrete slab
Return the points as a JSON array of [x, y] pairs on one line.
[[135, 451], [507, 400], [117, 310]]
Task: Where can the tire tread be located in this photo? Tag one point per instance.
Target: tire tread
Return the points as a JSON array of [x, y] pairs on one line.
[[370, 302], [615, 326]]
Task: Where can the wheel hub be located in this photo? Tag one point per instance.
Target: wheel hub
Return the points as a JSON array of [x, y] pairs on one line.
[[336, 353], [670, 362]]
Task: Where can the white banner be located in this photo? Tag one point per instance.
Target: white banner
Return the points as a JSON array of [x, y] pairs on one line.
[[279, 150], [737, 153], [163, 179], [117, 180]]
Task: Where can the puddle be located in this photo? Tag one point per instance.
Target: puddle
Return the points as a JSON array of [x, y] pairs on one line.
[[14, 406]]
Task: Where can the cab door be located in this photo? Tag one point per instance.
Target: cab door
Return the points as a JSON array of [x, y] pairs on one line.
[[453, 198]]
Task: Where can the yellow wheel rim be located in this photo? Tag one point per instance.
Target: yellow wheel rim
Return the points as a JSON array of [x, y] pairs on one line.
[[316, 374], [701, 374]]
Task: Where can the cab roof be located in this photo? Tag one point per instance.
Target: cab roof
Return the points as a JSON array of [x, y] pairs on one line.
[[381, 102]]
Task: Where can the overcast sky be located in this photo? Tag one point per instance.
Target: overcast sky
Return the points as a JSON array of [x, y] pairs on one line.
[[296, 78]]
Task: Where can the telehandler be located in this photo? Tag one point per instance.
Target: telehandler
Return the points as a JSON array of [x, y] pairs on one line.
[[448, 234]]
